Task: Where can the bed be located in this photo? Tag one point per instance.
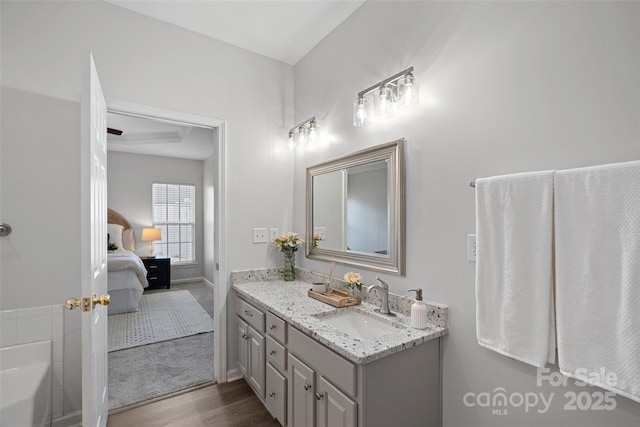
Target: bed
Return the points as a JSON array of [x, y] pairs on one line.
[[127, 277]]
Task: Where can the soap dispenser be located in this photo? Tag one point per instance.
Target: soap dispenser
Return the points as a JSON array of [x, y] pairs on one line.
[[418, 311]]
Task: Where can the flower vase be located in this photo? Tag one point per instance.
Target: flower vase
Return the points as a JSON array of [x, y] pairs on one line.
[[289, 270]]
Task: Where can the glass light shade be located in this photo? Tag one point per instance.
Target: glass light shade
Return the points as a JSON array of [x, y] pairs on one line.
[[301, 137], [383, 102], [314, 132], [362, 113], [291, 143], [408, 92]]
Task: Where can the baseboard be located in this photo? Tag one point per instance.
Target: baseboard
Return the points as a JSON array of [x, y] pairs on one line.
[[208, 283], [188, 280], [192, 280], [69, 420], [234, 375]]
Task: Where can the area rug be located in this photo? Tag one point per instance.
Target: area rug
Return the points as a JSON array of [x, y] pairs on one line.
[[161, 317], [142, 373]]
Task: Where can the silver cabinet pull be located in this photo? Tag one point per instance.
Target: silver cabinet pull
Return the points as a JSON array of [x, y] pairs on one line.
[[307, 386], [248, 313], [5, 229], [272, 352], [319, 396], [272, 393], [272, 327]]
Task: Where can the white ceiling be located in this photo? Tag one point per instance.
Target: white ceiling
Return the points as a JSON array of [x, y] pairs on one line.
[[282, 30], [159, 138]]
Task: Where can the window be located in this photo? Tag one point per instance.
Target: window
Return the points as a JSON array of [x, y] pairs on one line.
[[174, 214]]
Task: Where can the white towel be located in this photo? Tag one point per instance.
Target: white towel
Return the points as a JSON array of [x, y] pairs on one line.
[[514, 269], [598, 275]]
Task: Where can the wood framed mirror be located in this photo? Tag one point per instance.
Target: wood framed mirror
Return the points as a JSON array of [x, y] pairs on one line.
[[355, 209]]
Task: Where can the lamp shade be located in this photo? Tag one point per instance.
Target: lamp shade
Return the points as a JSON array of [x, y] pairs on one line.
[[151, 234]]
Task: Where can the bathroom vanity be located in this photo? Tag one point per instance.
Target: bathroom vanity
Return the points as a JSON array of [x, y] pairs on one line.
[[315, 365]]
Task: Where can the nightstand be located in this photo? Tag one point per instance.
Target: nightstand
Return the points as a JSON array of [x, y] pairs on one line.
[[158, 271]]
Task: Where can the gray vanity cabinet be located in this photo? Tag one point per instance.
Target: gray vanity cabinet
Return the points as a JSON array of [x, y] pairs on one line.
[[256, 375], [276, 381], [334, 408], [301, 393], [304, 383], [276, 398], [250, 345], [314, 399], [242, 354]]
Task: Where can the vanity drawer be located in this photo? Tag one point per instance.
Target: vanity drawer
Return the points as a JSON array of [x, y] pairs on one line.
[[250, 314], [276, 354], [339, 370], [277, 328]]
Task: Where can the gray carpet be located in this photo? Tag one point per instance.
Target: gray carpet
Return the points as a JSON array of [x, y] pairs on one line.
[[153, 370]]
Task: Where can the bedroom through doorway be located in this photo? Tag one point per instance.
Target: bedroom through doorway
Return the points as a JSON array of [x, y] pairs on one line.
[[161, 176]]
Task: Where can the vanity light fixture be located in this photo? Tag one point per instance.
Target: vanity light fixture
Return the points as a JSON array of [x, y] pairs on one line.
[[304, 134], [381, 100]]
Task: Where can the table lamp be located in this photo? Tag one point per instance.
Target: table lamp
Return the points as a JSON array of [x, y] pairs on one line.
[[150, 235]]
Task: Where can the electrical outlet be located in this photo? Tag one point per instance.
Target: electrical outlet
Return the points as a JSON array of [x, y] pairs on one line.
[[259, 235], [319, 230], [471, 247], [274, 233]]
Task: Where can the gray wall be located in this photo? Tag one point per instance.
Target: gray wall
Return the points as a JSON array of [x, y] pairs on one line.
[[505, 87], [367, 211], [129, 192], [141, 61]]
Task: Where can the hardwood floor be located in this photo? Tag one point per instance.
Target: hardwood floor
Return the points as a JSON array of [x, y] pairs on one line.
[[230, 404]]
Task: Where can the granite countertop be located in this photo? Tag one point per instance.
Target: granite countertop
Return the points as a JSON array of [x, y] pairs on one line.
[[289, 301]]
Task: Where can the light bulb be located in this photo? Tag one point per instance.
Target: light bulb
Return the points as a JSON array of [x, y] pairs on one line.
[[408, 92], [384, 102], [361, 112]]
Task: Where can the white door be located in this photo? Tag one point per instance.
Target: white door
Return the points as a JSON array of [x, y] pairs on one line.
[[93, 187]]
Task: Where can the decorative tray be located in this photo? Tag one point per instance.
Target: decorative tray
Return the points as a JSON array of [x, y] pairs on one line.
[[336, 298]]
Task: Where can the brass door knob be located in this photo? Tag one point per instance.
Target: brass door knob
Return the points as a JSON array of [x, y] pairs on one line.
[[72, 303], [102, 300]]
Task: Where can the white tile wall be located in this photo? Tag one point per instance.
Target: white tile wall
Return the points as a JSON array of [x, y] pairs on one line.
[[33, 324]]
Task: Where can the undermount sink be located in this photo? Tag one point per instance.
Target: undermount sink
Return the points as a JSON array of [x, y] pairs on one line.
[[358, 325]]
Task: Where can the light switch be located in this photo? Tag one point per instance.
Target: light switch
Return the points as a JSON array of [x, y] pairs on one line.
[[259, 235], [274, 233]]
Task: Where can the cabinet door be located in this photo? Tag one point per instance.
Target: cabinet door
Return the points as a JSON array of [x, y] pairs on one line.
[[334, 408], [276, 398], [242, 355], [257, 361], [301, 389]]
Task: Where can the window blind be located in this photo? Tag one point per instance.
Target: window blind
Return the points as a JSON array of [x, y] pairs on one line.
[[174, 214]]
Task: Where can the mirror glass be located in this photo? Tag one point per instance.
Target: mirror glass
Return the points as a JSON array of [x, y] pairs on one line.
[[355, 209]]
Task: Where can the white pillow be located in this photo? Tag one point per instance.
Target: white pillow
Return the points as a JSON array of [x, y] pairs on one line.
[[115, 234], [128, 242]]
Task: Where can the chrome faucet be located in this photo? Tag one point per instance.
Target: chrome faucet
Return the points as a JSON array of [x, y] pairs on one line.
[[383, 288]]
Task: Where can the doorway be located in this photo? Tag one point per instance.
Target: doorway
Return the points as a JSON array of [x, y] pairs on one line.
[[198, 279]]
